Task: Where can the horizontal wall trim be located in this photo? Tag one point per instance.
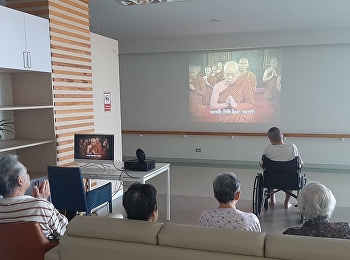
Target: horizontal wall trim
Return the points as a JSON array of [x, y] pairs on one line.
[[64, 150], [74, 73], [83, 95], [70, 57], [61, 143], [80, 6], [73, 111], [68, 49], [67, 41], [71, 134], [64, 127], [70, 10], [66, 64], [74, 118], [310, 167], [63, 158], [234, 134], [68, 25], [72, 88], [68, 80], [71, 34], [66, 104], [69, 18]]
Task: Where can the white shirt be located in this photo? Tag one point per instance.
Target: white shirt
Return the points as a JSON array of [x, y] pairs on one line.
[[281, 152]]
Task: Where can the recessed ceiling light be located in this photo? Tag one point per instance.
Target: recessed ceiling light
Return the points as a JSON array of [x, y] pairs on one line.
[[215, 20]]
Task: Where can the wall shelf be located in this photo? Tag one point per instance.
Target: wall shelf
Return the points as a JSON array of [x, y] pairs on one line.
[[24, 107], [15, 144]]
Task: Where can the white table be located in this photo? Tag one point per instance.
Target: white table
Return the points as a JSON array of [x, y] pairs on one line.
[[133, 176]]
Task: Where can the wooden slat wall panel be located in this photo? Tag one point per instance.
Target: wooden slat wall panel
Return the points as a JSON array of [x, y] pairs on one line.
[[71, 68], [72, 73]]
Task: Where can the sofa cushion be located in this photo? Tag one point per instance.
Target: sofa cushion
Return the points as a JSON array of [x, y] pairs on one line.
[[102, 249], [291, 247], [92, 249], [53, 254], [114, 229], [212, 239]]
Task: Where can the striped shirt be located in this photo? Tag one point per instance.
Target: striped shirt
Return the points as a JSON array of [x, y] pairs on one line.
[[29, 209]]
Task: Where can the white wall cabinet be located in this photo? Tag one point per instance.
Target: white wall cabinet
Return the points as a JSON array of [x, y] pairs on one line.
[[24, 41], [26, 95]]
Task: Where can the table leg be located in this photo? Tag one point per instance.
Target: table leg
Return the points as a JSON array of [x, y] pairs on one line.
[[168, 194]]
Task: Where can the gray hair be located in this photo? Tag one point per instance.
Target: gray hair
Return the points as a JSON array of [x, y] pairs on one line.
[[315, 200], [275, 134], [10, 170], [226, 185]]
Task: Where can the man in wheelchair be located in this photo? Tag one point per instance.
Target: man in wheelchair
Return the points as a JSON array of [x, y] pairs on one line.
[[278, 151]]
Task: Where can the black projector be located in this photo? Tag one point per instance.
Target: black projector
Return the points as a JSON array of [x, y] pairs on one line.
[[137, 165]]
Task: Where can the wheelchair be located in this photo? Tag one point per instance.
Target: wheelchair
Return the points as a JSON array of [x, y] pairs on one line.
[[280, 176]]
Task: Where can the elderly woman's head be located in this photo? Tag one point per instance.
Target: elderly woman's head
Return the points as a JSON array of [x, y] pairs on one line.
[[315, 200], [226, 186]]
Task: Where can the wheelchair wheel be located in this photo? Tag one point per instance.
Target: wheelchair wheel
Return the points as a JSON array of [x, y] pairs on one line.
[[301, 184], [258, 194], [266, 199]]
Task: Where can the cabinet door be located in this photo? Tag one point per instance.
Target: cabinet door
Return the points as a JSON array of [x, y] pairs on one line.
[[38, 43], [12, 38]]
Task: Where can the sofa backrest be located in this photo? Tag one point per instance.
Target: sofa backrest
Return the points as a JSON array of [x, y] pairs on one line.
[[114, 229], [291, 247], [228, 241], [108, 238]]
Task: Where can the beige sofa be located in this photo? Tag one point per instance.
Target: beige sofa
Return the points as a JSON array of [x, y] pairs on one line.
[[107, 238]]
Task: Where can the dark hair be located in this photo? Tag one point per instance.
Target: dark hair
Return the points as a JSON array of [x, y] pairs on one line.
[[10, 170], [140, 201], [275, 134], [226, 185]]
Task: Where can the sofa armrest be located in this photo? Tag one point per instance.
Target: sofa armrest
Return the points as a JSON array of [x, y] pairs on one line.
[[292, 247], [53, 254]]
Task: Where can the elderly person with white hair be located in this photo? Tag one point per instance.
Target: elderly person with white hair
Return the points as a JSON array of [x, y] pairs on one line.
[[227, 191], [317, 204], [16, 206]]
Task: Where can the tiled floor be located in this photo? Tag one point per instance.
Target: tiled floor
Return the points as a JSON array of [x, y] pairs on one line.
[[191, 193]]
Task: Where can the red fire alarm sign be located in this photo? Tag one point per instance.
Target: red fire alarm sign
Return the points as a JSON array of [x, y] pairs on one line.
[[107, 101]]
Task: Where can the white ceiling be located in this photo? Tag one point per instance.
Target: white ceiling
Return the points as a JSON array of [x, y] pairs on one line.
[[192, 17]]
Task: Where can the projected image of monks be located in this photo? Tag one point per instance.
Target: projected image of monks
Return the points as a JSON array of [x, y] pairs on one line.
[[197, 92], [237, 87], [272, 79]]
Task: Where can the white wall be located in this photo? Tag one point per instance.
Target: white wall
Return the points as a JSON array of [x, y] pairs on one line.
[[236, 41], [156, 70], [105, 78]]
